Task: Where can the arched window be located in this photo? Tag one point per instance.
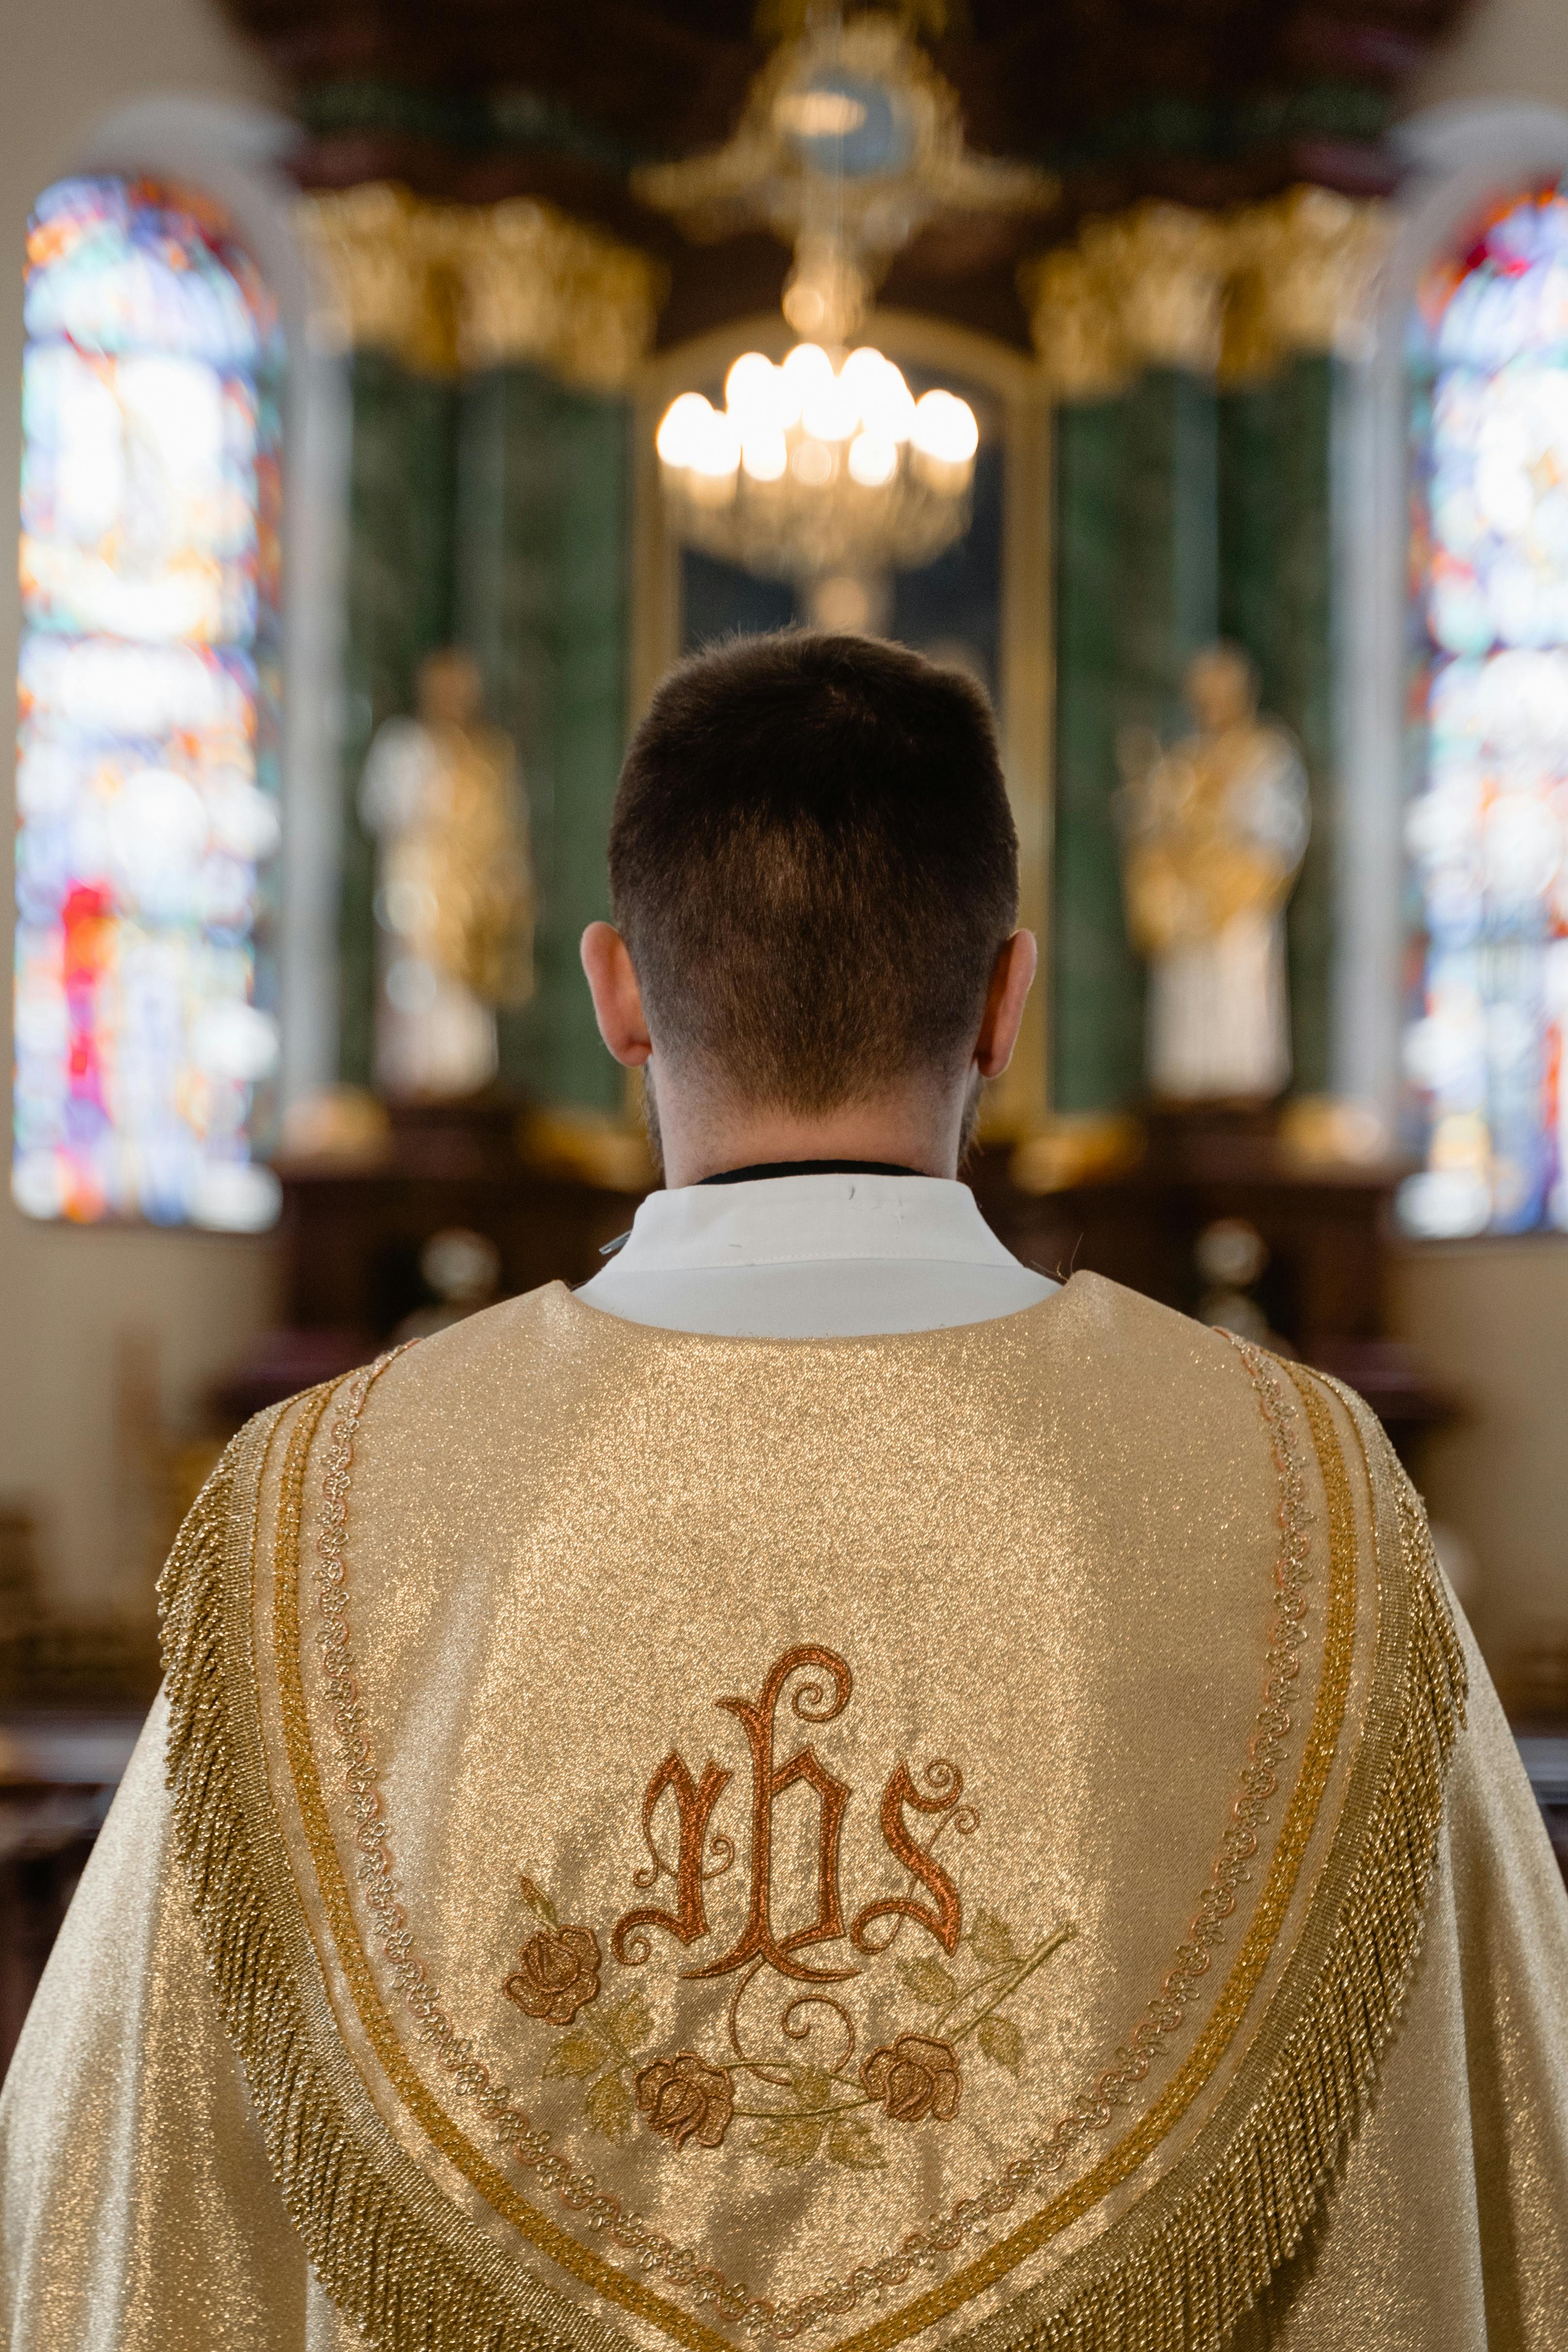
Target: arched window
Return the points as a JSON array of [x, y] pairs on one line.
[[146, 1027], [1486, 822]]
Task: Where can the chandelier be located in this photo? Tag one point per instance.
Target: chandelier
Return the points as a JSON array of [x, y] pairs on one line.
[[828, 467], [819, 466]]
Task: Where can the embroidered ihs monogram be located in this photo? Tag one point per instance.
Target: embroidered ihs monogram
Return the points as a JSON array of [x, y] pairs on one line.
[[794, 2077], [702, 1853]]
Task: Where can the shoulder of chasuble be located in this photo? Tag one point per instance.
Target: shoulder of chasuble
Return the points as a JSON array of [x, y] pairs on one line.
[[732, 1842]]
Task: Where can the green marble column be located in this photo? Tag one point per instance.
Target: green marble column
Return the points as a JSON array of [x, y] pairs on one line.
[[402, 487], [541, 600], [1137, 594], [1276, 458], [1096, 999]]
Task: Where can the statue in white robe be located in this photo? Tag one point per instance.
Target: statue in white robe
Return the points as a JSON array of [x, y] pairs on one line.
[[1214, 829]]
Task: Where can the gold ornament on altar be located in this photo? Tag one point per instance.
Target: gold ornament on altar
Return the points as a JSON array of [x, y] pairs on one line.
[[455, 890], [1214, 829], [828, 467]]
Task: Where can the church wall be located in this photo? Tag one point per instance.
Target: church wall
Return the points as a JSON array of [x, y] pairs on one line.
[[1502, 48], [1490, 1317], [66, 1297]]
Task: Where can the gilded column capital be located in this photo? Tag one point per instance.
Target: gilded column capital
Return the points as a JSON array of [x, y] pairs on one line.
[[370, 272], [1229, 294], [1305, 271], [1165, 267], [1142, 289], [448, 288], [1077, 326], [540, 287]]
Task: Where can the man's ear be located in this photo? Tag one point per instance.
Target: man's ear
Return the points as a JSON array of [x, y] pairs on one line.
[[1012, 977], [618, 999]]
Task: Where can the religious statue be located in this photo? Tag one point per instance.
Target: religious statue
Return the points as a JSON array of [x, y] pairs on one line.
[[1213, 831], [455, 888]]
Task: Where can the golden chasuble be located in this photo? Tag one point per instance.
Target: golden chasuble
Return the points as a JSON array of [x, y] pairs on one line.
[[711, 1842]]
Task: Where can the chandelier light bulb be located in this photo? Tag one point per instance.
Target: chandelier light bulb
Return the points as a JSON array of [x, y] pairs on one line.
[[755, 395], [684, 428], [888, 405], [830, 411], [806, 368], [787, 391], [764, 456], [717, 453], [880, 394], [873, 460], [862, 370], [945, 428], [813, 465]]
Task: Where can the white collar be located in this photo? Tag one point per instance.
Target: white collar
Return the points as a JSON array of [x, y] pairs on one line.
[[803, 1220]]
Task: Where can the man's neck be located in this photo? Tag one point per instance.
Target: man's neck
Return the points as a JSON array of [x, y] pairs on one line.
[[920, 1132]]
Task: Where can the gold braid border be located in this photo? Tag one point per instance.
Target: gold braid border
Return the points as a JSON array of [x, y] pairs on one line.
[[1183, 2265], [390, 2247], [1173, 2275], [332, 1886]]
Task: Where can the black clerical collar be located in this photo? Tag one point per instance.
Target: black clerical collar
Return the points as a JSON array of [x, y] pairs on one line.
[[807, 1168]]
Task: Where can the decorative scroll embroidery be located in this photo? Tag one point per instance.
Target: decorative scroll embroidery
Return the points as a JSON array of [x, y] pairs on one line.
[[817, 2105], [822, 2112], [910, 2078]]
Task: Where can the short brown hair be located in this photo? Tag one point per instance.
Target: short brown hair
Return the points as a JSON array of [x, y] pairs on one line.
[[814, 866]]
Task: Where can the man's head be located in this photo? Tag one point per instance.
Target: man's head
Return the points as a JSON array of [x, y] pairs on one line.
[[814, 868]]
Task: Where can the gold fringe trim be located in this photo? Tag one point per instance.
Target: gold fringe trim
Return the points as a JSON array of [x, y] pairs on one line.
[[1180, 2279], [1175, 2274], [377, 2250]]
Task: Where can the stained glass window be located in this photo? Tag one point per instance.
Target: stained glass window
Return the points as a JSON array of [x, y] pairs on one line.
[[146, 1028], [1486, 823]]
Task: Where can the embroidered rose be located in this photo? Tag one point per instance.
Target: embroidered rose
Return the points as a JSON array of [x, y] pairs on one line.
[[558, 1974], [914, 2077], [685, 2098]]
